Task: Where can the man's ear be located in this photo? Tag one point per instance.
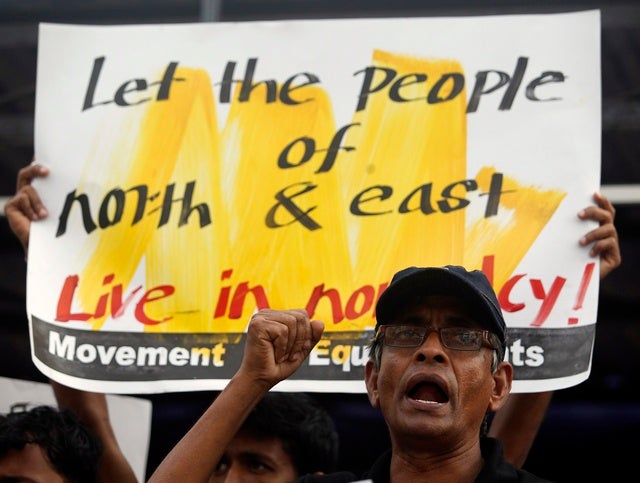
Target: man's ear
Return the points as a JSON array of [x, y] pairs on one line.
[[502, 379], [371, 379]]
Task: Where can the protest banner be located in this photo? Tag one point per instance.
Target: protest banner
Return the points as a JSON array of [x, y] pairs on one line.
[[200, 172]]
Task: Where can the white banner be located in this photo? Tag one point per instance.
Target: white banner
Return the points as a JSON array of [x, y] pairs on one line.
[[202, 171]]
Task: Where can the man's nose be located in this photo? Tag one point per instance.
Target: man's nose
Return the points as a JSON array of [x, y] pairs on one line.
[[433, 337], [431, 347]]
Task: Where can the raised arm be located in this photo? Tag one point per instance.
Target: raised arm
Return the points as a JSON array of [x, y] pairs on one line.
[[518, 421], [93, 411], [278, 341], [23, 208]]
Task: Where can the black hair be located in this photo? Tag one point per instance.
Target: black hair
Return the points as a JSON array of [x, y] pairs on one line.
[[73, 450], [306, 429]]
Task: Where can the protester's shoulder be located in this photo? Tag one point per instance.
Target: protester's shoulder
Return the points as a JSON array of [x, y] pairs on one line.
[[337, 477], [525, 477], [497, 469], [510, 474]]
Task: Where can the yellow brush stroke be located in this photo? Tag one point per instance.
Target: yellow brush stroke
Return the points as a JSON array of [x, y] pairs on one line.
[[289, 259], [120, 247], [405, 145], [191, 257], [522, 214]]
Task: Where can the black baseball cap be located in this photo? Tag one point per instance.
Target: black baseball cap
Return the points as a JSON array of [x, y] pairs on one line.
[[471, 286]]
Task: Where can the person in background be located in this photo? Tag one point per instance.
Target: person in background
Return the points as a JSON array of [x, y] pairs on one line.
[[48, 445], [72, 443], [285, 436]]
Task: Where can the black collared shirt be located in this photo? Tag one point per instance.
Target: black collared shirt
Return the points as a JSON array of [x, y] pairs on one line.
[[496, 469]]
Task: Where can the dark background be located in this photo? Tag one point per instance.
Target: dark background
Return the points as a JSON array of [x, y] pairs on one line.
[[591, 429]]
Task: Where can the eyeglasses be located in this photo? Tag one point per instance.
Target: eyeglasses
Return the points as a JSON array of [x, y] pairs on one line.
[[456, 338]]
